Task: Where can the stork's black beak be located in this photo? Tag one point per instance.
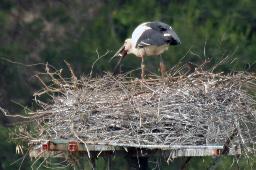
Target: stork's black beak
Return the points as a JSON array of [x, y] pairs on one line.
[[120, 53]]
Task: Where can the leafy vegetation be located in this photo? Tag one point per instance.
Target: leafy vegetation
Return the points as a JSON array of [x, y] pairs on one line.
[[35, 31]]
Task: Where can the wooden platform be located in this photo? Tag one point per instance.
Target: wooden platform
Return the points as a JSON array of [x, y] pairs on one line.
[[57, 148]]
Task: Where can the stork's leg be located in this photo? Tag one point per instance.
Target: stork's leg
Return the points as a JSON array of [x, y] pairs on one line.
[[162, 66], [142, 68]]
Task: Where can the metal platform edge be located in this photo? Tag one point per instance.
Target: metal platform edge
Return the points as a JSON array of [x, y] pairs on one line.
[[57, 148]]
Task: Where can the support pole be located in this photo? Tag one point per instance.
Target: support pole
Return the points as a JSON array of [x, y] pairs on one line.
[[109, 162]]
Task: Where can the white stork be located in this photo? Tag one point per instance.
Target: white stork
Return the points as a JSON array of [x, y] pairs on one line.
[[149, 38]]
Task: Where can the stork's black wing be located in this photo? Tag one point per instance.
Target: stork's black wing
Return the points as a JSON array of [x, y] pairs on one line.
[[166, 30], [151, 37], [158, 26]]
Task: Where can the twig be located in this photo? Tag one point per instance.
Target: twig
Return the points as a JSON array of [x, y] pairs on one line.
[[98, 58]]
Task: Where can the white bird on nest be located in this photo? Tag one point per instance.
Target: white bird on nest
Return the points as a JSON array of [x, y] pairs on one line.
[[148, 39]]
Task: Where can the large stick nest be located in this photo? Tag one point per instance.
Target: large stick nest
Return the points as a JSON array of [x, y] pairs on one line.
[[200, 108]]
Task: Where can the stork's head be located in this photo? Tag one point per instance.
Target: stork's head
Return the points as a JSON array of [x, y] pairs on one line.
[[124, 49], [122, 52], [127, 45]]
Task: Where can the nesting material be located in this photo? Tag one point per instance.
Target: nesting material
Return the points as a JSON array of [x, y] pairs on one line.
[[197, 109]]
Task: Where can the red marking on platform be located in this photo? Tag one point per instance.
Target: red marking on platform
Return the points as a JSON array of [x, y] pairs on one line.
[[72, 146], [216, 152], [46, 146]]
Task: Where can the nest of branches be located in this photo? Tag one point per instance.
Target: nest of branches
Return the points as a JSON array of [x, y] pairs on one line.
[[197, 109]]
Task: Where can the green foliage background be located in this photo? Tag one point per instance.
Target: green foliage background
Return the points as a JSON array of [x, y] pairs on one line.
[[36, 31]]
